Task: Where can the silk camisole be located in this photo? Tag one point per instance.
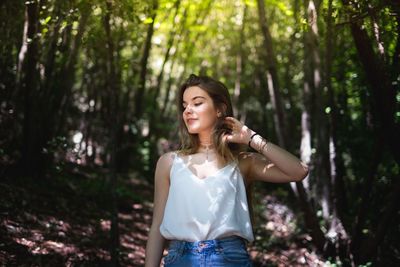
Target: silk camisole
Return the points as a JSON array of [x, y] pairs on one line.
[[208, 208]]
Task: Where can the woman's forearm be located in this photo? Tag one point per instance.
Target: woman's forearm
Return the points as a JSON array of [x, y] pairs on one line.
[[285, 161], [154, 247]]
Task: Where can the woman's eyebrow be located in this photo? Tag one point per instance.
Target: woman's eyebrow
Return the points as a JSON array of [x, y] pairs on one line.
[[184, 102]]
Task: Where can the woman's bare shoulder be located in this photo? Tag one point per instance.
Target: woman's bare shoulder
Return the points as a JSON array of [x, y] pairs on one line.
[[166, 159]]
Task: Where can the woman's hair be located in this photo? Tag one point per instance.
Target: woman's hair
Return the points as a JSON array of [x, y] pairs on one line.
[[221, 100]]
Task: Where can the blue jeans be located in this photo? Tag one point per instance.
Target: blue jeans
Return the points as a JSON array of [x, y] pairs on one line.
[[227, 252]]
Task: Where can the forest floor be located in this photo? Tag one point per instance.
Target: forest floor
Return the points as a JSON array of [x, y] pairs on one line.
[[63, 221]]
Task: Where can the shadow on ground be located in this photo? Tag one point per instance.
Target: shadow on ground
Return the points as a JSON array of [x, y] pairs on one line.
[[65, 222]]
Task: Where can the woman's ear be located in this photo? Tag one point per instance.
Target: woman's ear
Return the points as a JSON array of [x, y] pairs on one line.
[[221, 111]]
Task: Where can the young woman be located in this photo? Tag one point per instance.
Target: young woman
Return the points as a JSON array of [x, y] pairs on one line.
[[200, 201]]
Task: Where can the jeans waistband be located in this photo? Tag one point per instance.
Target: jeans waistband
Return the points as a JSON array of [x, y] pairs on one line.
[[212, 244]]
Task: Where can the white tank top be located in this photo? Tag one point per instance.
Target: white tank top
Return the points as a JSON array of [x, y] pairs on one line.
[[209, 208]]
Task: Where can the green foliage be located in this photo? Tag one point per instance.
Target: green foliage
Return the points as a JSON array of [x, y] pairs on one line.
[[87, 73]]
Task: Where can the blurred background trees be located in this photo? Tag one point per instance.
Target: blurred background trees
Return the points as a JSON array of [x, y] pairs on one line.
[[92, 85]]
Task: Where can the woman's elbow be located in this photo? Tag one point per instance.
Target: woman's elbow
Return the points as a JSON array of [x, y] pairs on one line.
[[303, 172]]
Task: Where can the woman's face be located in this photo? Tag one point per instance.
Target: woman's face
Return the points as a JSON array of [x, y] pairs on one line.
[[199, 113]]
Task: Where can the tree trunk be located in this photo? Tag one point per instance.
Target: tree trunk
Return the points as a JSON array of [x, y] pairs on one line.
[[395, 67], [113, 121], [310, 218], [288, 81], [302, 188], [170, 43], [166, 101], [51, 51], [312, 88], [272, 76], [239, 66], [339, 237], [173, 60], [61, 99], [321, 164], [363, 208], [138, 99], [154, 112], [27, 81], [337, 119]]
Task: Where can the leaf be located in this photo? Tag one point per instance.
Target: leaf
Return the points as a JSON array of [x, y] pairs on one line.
[[250, 3], [148, 20]]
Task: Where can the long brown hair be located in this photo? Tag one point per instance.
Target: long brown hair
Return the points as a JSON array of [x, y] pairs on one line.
[[221, 100]]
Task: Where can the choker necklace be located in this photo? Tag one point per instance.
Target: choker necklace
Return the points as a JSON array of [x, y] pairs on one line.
[[207, 146]]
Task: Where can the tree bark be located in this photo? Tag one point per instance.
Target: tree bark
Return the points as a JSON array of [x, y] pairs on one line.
[[311, 221], [27, 81], [49, 67], [312, 92], [288, 79], [60, 101], [166, 101], [170, 43], [113, 120], [302, 188], [321, 164], [138, 99], [395, 65], [272, 76], [310, 218], [239, 65], [173, 60], [362, 212], [338, 234]]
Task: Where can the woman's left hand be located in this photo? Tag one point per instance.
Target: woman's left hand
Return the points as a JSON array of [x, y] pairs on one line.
[[240, 133]]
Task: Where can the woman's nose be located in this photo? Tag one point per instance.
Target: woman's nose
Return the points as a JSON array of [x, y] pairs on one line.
[[188, 109]]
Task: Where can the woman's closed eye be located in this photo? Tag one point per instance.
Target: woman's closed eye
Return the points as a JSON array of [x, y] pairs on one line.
[[195, 104]]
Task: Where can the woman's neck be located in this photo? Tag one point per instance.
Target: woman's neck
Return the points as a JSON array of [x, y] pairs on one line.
[[206, 145], [205, 140]]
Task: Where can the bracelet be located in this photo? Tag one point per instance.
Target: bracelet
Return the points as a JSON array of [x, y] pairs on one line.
[[251, 138]]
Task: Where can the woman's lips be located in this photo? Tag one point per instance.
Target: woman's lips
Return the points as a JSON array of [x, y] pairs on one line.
[[190, 121]]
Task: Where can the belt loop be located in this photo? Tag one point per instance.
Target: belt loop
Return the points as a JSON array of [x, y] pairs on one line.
[[218, 244], [181, 248], [215, 243]]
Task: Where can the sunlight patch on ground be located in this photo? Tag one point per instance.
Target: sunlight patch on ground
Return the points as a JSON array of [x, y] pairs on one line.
[[37, 233], [105, 225], [277, 241]]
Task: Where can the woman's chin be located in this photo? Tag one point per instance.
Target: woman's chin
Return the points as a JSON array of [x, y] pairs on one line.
[[193, 131]]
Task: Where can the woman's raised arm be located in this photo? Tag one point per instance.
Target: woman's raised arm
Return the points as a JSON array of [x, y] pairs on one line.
[[272, 164]]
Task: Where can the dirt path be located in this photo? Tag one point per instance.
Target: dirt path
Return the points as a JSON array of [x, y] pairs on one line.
[[58, 224]]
